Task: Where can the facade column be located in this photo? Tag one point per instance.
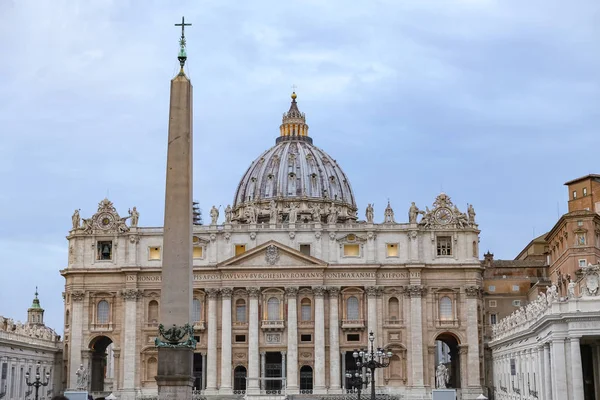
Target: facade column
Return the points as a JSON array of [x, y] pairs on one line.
[[284, 367], [319, 371], [253, 366], [130, 355], [226, 360], [263, 367], [372, 310], [334, 341], [576, 369], [343, 354], [76, 331], [539, 380], [211, 378], [292, 341], [547, 373], [204, 373], [416, 335], [473, 293], [559, 373]]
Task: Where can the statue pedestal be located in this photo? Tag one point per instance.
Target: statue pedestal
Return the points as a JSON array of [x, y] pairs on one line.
[[76, 395], [443, 394]]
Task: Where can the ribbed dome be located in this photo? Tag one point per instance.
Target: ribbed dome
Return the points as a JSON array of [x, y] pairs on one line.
[[295, 175]]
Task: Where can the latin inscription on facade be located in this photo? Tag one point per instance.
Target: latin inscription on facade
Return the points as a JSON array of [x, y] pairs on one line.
[[272, 338]]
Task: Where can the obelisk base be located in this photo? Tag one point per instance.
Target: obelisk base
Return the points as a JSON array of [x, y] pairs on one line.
[[174, 377]]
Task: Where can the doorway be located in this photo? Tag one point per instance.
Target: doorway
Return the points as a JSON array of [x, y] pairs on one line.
[[98, 348], [273, 369]]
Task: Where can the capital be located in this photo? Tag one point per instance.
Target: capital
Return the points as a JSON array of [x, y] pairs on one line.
[[473, 291], [226, 292], [291, 291], [253, 292], [77, 295], [372, 291], [318, 291], [415, 291], [212, 293], [131, 294], [334, 291]]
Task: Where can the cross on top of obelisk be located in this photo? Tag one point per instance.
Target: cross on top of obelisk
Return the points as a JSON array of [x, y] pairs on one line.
[[182, 56]]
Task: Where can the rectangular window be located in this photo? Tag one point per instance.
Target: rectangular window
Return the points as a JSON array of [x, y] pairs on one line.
[[305, 312], [104, 250], [353, 337], [492, 303], [580, 223], [154, 253], [574, 194], [240, 338], [515, 288], [392, 249], [516, 303], [240, 249], [444, 246], [306, 338], [493, 319], [351, 250], [582, 263], [491, 288], [585, 191], [305, 249], [198, 251]]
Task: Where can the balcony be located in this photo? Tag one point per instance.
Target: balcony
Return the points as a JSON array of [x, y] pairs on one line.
[[393, 323], [306, 324], [273, 325], [240, 325], [199, 326], [353, 324]]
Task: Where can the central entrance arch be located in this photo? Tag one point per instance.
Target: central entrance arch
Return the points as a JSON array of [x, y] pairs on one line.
[[98, 347], [447, 352]]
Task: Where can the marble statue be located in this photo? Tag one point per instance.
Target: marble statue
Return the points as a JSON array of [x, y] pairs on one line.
[[413, 212], [82, 378], [369, 213], [87, 224], [317, 213], [293, 213], [214, 215], [75, 219], [441, 376], [250, 214], [135, 217], [571, 290], [228, 215], [272, 212], [388, 215], [471, 214], [332, 216]]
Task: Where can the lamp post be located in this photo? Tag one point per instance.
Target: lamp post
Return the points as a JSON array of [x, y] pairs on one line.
[[37, 383], [372, 359], [356, 380]]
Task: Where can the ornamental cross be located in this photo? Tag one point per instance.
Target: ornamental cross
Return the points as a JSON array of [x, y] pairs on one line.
[[183, 25], [294, 87]]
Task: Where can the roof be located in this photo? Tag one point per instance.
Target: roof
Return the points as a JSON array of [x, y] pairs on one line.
[[516, 263], [589, 176]]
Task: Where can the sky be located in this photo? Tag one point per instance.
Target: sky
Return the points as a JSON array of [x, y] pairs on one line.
[[496, 103]]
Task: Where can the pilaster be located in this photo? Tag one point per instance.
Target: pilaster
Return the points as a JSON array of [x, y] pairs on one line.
[[253, 360], [226, 359], [130, 353], [76, 330], [334, 341], [211, 378], [319, 371], [292, 341]]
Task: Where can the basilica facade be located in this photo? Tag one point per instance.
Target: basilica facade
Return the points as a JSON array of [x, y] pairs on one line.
[[288, 281]]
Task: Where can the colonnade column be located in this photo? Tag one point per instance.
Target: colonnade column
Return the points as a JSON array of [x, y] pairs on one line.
[[559, 378], [253, 366], [473, 293], [319, 371], [416, 335], [226, 360], [211, 373], [292, 341], [334, 341], [76, 331], [130, 296], [576, 368], [539, 382], [547, 373]]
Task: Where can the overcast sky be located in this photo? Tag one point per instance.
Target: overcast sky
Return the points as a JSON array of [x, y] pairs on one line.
[[494, 102]]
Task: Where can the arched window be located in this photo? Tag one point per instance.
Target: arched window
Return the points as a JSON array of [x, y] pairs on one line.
[[153, 312], [273, 309], [196, 311], [352, 308], [102, 315], [240, 311], [239, 379], [305, 313], [151, 369], [394, 309], [306, 379], [67, 318], [445, 308]]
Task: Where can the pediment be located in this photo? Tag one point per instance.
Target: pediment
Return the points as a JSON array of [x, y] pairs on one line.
[[272, 254]]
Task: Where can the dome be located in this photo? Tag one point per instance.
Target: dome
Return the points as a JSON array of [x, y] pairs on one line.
[[294, 181]]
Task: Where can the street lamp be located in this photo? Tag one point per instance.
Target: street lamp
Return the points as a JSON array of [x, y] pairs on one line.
[[372, 359], [356, 380], [37, 383]]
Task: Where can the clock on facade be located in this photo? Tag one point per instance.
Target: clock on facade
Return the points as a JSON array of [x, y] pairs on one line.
[[443, 215]]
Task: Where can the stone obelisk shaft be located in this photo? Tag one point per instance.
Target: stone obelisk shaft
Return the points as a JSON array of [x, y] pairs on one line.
[[175, 365]]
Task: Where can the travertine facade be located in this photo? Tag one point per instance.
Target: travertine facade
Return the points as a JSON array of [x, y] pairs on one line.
[[22, 347], [286, 287]]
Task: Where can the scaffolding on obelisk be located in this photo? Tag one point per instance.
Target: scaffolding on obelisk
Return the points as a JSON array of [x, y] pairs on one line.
[[175, 339]]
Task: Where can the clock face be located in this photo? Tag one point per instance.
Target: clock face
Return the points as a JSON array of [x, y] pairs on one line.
[[105, 221], [443, 215]]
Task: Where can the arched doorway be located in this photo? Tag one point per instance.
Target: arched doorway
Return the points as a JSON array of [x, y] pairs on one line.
[[239, 380], [98, 348], [446, 352], [306, 380]]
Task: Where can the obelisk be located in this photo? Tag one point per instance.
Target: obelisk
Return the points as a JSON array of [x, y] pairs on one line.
[[175, 347]]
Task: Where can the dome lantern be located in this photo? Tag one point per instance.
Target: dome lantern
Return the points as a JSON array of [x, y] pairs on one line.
[[293, 123]]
